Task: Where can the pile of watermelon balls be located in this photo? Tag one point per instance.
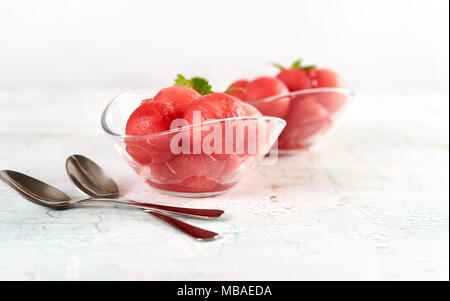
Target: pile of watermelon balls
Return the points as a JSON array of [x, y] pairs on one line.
[[307, 115]]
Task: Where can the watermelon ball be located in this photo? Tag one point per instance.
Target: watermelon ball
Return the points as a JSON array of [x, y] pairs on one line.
[[209, 107], [221, 106], [204, 172], [332, 101], [264, 87], [178, 97], [238, 88], [149, 118], [249, 110], [303, 136], [295, 79], [192, 173], [297, 76], [261, 88], [306, 120], [213, 106], [151, 156], [326, 78]]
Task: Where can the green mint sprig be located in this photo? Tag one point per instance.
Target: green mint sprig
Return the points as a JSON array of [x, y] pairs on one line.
[[296, 64], [199, 84], [234, 89]]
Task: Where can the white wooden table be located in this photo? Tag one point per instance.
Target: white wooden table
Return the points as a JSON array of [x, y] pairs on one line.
[[369, 202]]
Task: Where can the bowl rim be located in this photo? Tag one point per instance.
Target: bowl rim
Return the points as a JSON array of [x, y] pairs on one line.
[[301, 92], [116, 99]]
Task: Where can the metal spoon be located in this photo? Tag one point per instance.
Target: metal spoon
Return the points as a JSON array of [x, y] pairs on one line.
[[91, 179], [43, 194]]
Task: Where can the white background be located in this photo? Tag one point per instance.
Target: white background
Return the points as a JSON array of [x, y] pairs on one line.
[[380, 46]]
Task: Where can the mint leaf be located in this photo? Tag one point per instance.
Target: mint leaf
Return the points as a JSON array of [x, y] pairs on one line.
[[234, 89], [278, 66], [297, 64], [183, 81], [308, 68], [201, 85]]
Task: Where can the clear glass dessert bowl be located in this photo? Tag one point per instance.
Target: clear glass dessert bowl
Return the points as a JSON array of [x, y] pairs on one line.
[[309, 115], [190, 160]]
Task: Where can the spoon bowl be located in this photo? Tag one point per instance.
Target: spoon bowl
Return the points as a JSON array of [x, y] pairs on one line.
[[35, 190], [90, 178], [43, 194]]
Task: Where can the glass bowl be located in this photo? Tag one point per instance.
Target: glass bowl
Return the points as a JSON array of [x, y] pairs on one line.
[[309, 114], [190, 160]]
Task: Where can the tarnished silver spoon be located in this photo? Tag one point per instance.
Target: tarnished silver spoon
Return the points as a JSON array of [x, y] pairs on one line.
[[43, 194], [91, 179]]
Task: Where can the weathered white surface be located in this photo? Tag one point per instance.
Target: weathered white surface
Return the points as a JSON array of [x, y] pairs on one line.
[[370, 202]]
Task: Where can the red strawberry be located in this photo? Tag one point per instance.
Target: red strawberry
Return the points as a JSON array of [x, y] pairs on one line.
[[325, 78]]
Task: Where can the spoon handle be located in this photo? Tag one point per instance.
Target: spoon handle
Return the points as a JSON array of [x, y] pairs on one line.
[[192, 212], [208, 213], [195, 232]]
